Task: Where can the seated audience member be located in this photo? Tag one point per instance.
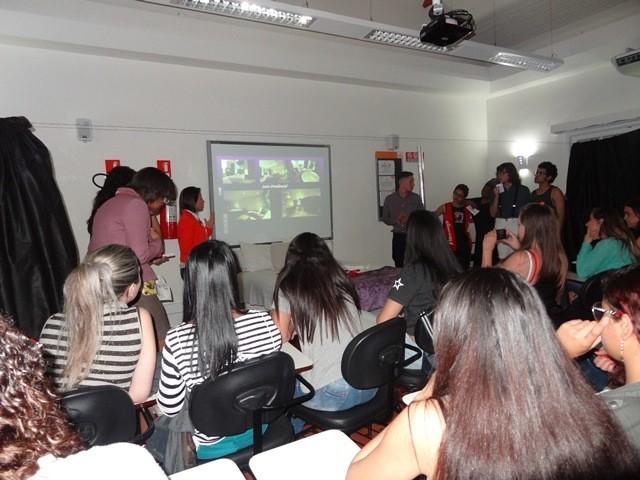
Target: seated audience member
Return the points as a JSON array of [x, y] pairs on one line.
[[429, 264], [547, 194], [538, 255], [617, 327], [117, 177], [456, 219], [505, 402], [129, 219], [315, 300], [98, 338], [191, 230], [632, 216], [607, 244], [482, 219], [215, 334], [36, 439]]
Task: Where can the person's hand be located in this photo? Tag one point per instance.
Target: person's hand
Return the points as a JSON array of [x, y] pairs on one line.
[[577, 337], [209, 222], [593, 232], [511, 240], [402, 218], [154, 234], [604, 362], [489, 241], [160, 260]]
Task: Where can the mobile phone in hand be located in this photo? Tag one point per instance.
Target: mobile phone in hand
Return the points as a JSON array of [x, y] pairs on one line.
[[501, 233]]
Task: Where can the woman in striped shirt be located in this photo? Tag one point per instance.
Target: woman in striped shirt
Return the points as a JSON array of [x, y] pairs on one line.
[[98, 339], [215, 334]]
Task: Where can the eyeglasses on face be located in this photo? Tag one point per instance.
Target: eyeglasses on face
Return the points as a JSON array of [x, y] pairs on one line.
[[599, 311]]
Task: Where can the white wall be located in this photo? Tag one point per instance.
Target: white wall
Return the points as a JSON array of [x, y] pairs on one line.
[[144, 111], [529, 113]]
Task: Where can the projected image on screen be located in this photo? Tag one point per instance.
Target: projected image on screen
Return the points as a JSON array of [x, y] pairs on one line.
[[273, 172], [301, 203], [305, 171], [269, 192], [235, 172], [246, 205]]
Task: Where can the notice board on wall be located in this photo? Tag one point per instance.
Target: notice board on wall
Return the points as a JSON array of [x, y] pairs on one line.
[[388, 167]]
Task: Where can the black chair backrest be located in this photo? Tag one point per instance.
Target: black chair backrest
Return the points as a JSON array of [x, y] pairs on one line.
[[104, 414], [591, 291], [373, 357], [424, 330], [225, 405]]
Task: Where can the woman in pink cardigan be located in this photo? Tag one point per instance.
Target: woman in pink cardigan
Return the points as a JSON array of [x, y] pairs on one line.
[[125, 219]]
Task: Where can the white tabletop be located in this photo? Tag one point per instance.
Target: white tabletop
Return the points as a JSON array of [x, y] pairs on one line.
[[223, 469], [300, 361], [323, 456]]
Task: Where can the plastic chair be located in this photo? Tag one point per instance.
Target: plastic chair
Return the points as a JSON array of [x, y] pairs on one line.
[[255, 392], [416, 378], [371, 360], [105, 414]]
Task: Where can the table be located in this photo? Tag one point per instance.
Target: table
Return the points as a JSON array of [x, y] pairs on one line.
[[223, 469], [373, 286], [323, 456], [301, 362]]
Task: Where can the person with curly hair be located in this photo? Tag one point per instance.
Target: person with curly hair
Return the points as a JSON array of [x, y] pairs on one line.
[[32, 423], [37, 441]]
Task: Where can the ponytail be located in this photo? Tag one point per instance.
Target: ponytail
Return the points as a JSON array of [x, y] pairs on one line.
[[92, 288]]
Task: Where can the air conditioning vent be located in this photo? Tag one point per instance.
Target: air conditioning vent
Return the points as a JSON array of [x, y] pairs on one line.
[[628, 63]]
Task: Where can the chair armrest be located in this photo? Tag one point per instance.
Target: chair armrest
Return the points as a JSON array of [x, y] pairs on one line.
[[416, 355], [141, 438]]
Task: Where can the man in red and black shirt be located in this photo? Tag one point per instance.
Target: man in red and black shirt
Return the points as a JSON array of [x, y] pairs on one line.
[[456, 218]]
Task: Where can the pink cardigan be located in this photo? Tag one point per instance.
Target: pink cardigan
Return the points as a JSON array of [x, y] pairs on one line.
[[124, 220]]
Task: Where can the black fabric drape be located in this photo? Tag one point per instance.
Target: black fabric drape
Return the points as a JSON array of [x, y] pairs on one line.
[[37, 246], [602, 173]]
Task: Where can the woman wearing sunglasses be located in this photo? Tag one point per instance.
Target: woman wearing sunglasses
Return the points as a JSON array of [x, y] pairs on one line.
[[617, 328]]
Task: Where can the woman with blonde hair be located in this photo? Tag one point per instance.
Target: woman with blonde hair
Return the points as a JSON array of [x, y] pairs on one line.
[[98, 338]]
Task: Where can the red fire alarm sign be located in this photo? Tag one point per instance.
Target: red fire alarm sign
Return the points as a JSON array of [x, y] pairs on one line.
[[165, 166], [111, 164]]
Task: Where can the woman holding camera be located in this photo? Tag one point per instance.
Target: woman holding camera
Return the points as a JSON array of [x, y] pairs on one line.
[[538, 255]]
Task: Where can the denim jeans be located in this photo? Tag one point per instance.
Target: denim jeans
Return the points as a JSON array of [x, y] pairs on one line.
[[335, 396]]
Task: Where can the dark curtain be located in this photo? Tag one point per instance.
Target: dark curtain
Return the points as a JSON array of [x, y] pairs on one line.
[[37, 246], [602, 173]]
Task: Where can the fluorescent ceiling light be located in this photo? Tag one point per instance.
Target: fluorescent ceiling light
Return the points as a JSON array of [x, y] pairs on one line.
[[246, 10], [293, 16], [526, 62]]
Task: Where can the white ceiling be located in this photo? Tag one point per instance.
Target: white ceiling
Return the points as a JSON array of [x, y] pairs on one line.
[[518, 24]]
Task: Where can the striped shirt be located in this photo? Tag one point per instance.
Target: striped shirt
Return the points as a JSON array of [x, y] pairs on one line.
[[117, 354], [257, 336]]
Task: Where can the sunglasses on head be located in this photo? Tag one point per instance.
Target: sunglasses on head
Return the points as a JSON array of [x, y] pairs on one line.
[[599, 312]]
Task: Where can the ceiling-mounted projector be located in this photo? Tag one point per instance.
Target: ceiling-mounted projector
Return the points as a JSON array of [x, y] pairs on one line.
[[447, 29]]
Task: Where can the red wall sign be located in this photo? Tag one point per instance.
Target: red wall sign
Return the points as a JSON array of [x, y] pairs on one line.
[[111, 164], [165, 166], [411, 156]]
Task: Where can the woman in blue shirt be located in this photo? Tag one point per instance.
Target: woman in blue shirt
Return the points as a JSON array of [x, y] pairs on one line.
[[608, 244]]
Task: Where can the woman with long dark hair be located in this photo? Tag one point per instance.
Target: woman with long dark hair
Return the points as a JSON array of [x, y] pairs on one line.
[[116, 178], [506, 402], [429, 263], [608, 244], [191, 230], [632, 216], [315, 300], [538, 254], [216, 332]]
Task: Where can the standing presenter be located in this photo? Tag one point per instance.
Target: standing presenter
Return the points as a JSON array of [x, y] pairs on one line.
[[397, 208]]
